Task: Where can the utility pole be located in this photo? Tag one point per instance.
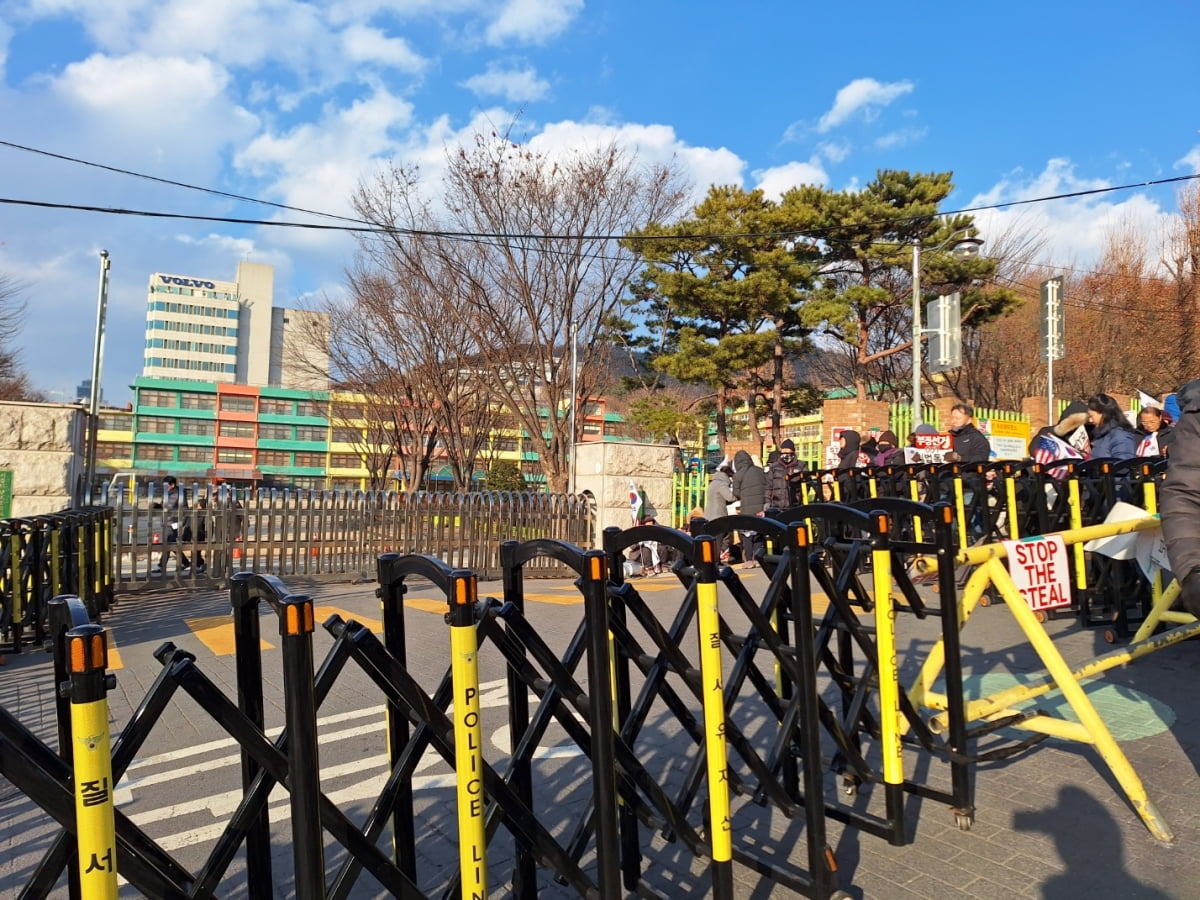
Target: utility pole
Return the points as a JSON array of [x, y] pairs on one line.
[[89, 466]]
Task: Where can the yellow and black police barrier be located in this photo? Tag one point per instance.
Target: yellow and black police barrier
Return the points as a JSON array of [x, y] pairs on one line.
[[1001, 706], [710, 701], [45, 556]]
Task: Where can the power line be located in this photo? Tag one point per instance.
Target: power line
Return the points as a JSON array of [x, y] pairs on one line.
[[360, 226]]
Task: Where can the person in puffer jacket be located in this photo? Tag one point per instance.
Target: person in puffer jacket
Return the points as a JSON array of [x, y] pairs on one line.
[[1180, 504], [750, 488]]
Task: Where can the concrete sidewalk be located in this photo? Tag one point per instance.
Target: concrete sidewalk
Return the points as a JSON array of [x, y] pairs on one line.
[[1050, 823]]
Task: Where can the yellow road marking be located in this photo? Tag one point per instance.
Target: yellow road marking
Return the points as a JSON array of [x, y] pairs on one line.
[[216, 633]]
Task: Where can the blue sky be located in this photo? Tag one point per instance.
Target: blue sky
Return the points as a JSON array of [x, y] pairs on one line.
[[296, 102]]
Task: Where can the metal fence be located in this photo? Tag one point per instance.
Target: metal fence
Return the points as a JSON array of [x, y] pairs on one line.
[[330, 535]]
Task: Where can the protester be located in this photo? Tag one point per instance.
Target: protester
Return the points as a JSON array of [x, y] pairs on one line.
[[1112, 435], [970, 444], [784, 477], [851, 444], [888, 453], [750, 489], [717, 499], [1180, 505], [1155, 431], [171, 505]]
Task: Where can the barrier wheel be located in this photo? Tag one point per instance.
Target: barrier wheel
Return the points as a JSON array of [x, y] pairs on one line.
[[985, 600], [1110, 636], [964, 821], [1040, 615]]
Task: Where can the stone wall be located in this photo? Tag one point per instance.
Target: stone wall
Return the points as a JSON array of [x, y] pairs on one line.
[[43, 444], [604, 469]]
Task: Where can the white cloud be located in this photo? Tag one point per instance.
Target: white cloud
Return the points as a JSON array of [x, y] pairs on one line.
[[901, 138], [363, 44], [1191, 160], [778, 180], [863, 95], [532, 21], [1075, 229], [834, 151], [654, 144], [514, 85]]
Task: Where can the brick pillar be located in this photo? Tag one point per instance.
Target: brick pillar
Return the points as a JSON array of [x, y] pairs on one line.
[[1035, 408], [861, 416]]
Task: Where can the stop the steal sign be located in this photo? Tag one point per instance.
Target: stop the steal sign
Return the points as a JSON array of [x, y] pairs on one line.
[[1040, 570]]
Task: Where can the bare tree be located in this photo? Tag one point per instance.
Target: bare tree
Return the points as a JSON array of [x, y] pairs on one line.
[[519, 256], [14, 380]]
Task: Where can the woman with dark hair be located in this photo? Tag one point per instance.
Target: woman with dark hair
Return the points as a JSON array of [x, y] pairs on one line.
[[1112, 435]]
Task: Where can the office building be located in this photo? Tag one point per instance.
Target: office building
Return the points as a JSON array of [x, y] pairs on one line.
[[229, 332]]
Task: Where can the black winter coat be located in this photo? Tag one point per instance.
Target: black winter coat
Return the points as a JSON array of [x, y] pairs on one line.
[[783, 482], [970, 444], [1180, 506], [749, 484]]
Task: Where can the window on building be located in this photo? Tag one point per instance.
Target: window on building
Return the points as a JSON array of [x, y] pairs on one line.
[[345, 461], [195, 454], [311, 460], [237, 429], [274, 458], [276, 406], [157, 398], [196, 400], [237, 404], [274, 432], [307, 408], [114, 450], [345, 484], [310, 433], [504, 444], [348, 411], [230, 455], [156, 452], [202, 427], [306, 483], [155, 425], [348, 435], [115, 421]]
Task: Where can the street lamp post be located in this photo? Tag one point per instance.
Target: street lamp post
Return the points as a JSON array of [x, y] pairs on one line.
[[963, 248], [89, 466]]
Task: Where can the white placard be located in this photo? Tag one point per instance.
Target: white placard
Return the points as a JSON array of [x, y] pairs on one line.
[[1041, 571]]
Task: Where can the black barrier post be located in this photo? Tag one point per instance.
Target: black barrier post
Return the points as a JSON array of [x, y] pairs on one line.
[[247, 641], [631, 851], [960, 775], [308, 848], [822, 864], [391, 593], [604, 776], [524, 881]]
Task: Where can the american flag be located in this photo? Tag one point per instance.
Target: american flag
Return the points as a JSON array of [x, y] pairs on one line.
[[1049, 448]]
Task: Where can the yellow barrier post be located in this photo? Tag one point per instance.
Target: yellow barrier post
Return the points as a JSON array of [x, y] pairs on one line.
[[95, 830], [708, 627], [890, 730], [1010, 496], [468, 736]]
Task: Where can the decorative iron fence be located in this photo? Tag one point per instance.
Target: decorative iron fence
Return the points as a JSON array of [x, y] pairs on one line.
[[331, 535]]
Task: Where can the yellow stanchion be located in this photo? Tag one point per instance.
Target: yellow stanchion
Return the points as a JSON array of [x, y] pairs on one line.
[[1076, 523], [468, 738], [712, 680], [95, 831], [1010, 497], [885, 640]]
